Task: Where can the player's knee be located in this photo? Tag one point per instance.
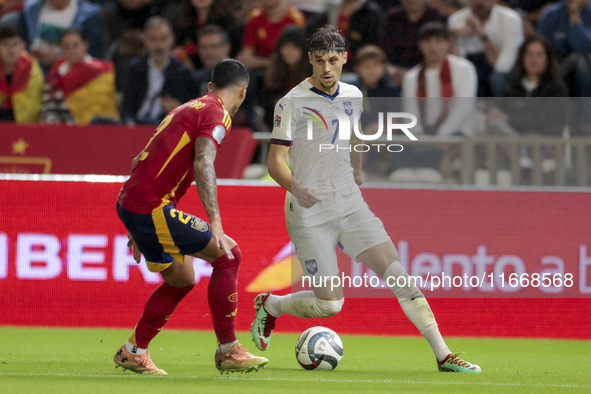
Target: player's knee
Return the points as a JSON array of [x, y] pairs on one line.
[[329, 308]]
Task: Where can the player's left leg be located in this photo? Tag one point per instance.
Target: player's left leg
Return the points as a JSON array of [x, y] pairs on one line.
[[222, 296], [366, 240]]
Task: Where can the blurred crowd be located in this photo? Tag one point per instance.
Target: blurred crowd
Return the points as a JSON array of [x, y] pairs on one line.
[[132, 61]]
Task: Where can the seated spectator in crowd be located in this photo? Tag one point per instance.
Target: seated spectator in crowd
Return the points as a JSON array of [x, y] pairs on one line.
[[488, 35], [535, 75], [399, 35], [124, 20], [214, 46], [566, 25], [79, 88], [315, 12], [157, 83], [262, 30], [429, 88], [45, 21], [359, 22], [370, 66], [441, 93], [289, 66], [376, 85], [191, 16], [530, 10], [21, 79], [449, 6]]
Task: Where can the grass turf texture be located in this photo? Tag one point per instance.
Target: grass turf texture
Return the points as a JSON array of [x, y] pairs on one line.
[[80, 361]]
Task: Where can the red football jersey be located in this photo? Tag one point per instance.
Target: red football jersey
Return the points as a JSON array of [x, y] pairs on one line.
[[262, 35], [165, 169]]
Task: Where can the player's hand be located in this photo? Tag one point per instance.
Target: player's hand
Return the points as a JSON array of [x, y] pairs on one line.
[[219, 238], [358, 175], [137, 255], [307, 198]]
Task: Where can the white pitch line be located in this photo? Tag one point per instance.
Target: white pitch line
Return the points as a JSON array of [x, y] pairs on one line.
[[127, 375]]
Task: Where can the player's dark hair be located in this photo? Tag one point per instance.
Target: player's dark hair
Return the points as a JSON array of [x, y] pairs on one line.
[[214, 29], [77, 32], [9, 31], [327, 36], [229, 72], [433, 29]]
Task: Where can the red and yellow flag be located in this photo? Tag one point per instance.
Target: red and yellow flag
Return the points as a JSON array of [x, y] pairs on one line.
[[88, 88], [25, 92]]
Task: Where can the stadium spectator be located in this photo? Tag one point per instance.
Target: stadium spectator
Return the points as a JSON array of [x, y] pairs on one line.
[[79, 88], [315, 12], [430, 86], [378, 89], [449, 6], [535, 75], [192, 15], [399, 35], [359, 22], [44, 22], [157, 83], [289, 66], [566, 25], [21, 79], [488, 35], [124, 21], [262, 30], [440, 92], [214, 46], [530, 10]]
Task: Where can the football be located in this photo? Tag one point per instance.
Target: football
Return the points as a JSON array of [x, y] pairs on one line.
[[319, 348]]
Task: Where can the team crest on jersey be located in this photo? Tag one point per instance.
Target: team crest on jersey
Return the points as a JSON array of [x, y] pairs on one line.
[[277, 121], [199, 225], [311, 266], [348, 108]]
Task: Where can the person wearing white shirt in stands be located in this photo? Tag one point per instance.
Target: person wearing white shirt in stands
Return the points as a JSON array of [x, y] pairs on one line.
[[488, 35], [429, 88]]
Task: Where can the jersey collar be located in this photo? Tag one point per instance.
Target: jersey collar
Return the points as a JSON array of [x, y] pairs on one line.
[[321, 93]]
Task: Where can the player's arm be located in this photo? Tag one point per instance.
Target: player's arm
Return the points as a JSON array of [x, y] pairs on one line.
[[204, 171], [276, 165], [356, 158]]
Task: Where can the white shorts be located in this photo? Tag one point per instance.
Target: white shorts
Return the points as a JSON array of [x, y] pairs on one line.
[[354, 234]]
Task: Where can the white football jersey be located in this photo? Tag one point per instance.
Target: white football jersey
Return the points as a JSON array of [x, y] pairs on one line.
[[328, 170]]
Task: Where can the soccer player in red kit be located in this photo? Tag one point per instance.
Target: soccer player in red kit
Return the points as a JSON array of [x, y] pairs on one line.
[[183, 149]]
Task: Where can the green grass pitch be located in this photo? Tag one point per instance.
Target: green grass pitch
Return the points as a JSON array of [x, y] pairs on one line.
[[38, 360]]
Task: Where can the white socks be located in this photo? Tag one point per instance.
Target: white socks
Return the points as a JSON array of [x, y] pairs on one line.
[[224, 347], [302, 304], [131, 348], [433, 336]]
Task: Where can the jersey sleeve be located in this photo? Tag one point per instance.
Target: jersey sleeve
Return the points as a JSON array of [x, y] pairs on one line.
[[282, 123], [215, 125]]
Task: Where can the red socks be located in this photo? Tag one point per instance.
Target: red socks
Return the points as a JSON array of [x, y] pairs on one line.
[[157, 311], [221, 293], [223, 297]]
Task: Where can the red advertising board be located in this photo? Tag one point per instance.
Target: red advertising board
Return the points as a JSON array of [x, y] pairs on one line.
[[100, 150], [64, 261]]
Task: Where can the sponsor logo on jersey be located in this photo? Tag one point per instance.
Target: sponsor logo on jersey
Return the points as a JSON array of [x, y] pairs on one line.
[[281, 106], [233, 297], [311, 266], [277, 121], [219, 132], [317, 118]]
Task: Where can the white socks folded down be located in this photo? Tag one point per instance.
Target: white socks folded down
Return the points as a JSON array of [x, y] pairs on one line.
[[302, 304]]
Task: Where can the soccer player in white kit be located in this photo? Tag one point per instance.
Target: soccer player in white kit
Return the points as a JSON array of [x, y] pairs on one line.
[[326, 208]]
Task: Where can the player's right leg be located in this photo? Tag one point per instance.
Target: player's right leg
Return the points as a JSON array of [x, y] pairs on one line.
[[315, 248]]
